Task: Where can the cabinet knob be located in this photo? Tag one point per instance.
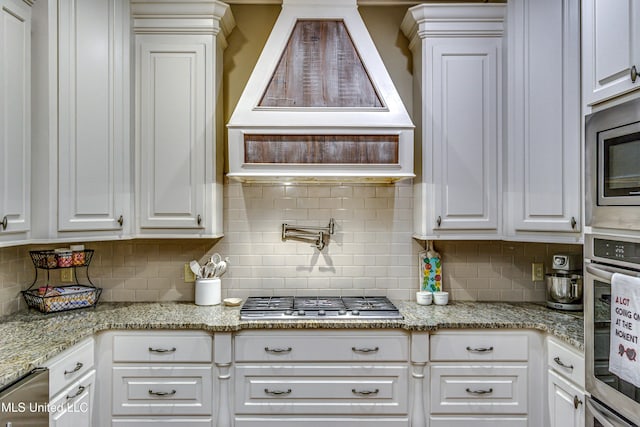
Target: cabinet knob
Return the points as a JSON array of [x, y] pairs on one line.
[[120, 220], [439, 220], [634, 74], [5, 222], [576, 402], [573, 222]]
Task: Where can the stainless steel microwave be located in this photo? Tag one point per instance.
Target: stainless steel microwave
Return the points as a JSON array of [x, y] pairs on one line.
[[613, 167]]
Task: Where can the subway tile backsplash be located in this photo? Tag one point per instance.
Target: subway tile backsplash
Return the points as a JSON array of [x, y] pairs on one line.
[[372, 252]]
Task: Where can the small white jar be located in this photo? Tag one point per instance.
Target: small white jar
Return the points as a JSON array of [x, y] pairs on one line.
[[424, 297], [441, 298]]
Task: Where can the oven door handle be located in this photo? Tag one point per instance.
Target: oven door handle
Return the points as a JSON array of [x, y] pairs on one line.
[[604, 415], [601, 272], [604, 272]]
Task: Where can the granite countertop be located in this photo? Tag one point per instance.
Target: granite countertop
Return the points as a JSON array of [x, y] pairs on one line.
[[30, 338]]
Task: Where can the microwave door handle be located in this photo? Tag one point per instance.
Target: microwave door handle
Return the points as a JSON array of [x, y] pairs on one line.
[[604, 273], [604, 416]]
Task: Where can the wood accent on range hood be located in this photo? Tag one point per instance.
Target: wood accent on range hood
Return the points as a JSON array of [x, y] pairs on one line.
[[321, 149], [320, 67], [320, 79]]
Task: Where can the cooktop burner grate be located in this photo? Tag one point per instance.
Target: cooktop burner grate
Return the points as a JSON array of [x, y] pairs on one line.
[[269, 308]]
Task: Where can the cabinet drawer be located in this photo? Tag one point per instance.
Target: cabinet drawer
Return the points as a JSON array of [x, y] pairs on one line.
[[565, 361], [70, 365], [479, 346], [478, 422], [158, 390], [318, 346], [320, 422], [321, 389], [479, 389], [183, 346]]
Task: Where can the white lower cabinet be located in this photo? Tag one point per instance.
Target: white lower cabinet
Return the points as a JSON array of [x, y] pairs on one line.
[[72, 386], [565, 385], [156, 378], [485, 378], [321, 378], [73, 407]]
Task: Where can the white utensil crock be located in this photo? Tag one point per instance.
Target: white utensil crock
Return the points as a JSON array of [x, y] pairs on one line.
[[208, 291]]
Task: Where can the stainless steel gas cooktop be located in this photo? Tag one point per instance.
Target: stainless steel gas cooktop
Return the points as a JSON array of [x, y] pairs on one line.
[[334, 308]]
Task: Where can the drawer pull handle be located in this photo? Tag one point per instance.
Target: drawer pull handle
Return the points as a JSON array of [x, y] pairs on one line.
[[120, 220], [633, 73], [480, 349], [162, 393], [561, 363], [278, 392], [78, 393], [278, 350], [79, 366], [364, 392], [4, 222], [365, 349], [479, 391], [162, 350]]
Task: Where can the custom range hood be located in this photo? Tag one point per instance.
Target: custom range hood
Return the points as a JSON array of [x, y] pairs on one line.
[[319, 105]]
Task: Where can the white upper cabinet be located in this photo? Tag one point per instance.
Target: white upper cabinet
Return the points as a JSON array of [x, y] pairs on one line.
[[611, 46], [94, 179], [15, 120], [457, 51], [543, 120], [178, 76]]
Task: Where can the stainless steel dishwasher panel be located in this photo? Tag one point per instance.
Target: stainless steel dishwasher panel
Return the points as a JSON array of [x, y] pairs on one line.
[[25, 402]]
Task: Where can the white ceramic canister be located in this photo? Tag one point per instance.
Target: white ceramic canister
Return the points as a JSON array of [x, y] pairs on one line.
[[208, 291], [424, 298]]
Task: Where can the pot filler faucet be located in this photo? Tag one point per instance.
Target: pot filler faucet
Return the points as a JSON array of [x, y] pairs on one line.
[[315, 235]]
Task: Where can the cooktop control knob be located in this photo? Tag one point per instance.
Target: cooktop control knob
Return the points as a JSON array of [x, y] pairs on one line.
[[288, 312], [355, 312], [321, 313], [342, 312], [301, 313]]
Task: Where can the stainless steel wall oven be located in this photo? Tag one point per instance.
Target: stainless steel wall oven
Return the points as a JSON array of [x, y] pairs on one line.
[[613, 167], [614, 402]]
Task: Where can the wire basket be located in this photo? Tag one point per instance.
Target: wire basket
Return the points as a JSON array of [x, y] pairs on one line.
[[49, 299], [50, 260]]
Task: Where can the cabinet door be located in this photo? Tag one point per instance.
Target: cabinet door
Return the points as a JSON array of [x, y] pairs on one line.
[[544, 117], [15, 117], [465, 98], [610, 31], [172, 129], [93, 123], [73, 407], [566, 402]]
